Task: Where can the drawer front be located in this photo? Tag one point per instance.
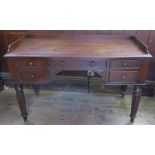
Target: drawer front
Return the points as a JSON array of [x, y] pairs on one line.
[[125, 64], [123, 76], [32, 62], [79, 64], [33, 76]]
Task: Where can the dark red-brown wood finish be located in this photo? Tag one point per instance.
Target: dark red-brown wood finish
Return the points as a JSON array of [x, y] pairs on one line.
[[151, 45], [118, 60], [147, 36], [3, 49]]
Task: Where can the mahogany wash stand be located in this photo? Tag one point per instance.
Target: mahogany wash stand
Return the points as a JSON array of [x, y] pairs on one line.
[[118, 60]]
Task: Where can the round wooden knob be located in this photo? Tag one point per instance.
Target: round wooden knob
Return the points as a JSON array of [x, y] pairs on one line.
[[123, 76], [32, 76], [92, 63], [62, 63], [124, 64], [30, 63]]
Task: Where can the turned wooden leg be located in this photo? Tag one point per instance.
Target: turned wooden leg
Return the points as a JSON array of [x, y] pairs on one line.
[[36, 88], [123, 90], [135, 102], [21, 101]]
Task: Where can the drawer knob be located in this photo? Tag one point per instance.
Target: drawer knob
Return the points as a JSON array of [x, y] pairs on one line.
[[92, 63], [62, 63], [30, 63], [124, 64], [123, 76], [32, 76]]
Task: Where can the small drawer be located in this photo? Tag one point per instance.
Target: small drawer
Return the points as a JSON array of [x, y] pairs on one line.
[[123, 76], [125, 64], [33, 76], [80, 64], [32, 62]]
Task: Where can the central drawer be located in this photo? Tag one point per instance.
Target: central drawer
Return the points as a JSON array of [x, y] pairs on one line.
[[78, 64]]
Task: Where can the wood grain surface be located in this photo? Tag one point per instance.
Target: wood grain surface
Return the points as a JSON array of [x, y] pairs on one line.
[[78, 46]]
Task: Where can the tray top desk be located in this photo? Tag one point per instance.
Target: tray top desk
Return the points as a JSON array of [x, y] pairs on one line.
[[118, 60]]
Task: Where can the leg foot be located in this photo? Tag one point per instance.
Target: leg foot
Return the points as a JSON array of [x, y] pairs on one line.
[[132, 119], [24, 117], [135, 102]]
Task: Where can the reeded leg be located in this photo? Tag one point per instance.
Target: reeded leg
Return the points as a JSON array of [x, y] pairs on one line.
[[123, 90], [135, 102], [21, 101], [36, 88]]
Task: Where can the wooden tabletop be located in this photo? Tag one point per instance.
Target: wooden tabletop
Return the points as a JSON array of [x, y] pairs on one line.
[[77, 46]]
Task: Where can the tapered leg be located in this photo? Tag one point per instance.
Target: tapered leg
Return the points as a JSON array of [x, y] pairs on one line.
[[123, 90], [135, 102], [21, 101], [36, 88]]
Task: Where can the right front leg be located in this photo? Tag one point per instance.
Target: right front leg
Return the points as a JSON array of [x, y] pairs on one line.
[[135, 102], [21, 101]]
